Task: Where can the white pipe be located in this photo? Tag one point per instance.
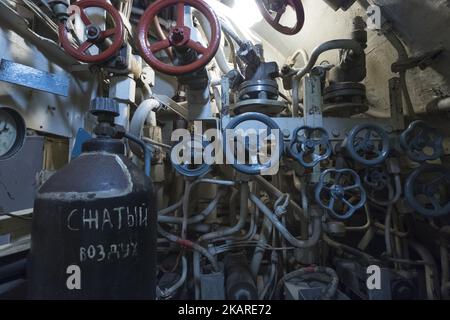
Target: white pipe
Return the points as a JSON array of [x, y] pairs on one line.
[[220, 55]]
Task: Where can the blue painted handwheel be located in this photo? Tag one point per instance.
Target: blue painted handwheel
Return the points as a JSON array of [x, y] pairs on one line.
[[309, 146], [376, 178], [340, 192], [421, 142], [190, 168], [427, 190], [367, 144], [255, 168]]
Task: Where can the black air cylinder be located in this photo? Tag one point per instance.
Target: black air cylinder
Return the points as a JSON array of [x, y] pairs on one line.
[[94, 229]]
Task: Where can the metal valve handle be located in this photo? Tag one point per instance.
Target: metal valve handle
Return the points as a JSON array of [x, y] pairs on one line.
[[179, 36], [367, 144], [279, 7], [191, 169], [95, 36], [310, 146], [336, 191], [376, 178], [272, 128], [427, 190], [379, 186], [420, 137]]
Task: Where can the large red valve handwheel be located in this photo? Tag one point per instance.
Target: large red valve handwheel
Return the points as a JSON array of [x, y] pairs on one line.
[[94, 34], [179, 37], [279, 7]]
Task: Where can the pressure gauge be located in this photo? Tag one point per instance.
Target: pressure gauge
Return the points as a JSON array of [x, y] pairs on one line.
[[12, 132]]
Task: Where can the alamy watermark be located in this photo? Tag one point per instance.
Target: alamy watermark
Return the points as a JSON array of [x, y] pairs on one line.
[[374, 17], [73, 281], [249, 147], [373, 281]]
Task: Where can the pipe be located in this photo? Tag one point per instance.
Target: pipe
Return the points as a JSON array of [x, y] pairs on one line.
[[146, 149], [156, 143], [295, 97], [144, 113], [438, 105], [444, 104], [185, 209], [170, 291], [387, 231], [444, 270], [430, 269], [187, 195], [201, 227], [316, 226], [220, 55], [292, 60], [402, 56], [245, 190], [258, 255], [177, 205], [228, 183], [197, 272], [272, 275], [343, 247], [276, 193], [196, 218], [170, 209], [368, 222], [393, 199], [377, 114], [232, 34], [387, 224], [191, 245], [304, 197], [347, 44], [251, 230], [232, 206], [394, 232]]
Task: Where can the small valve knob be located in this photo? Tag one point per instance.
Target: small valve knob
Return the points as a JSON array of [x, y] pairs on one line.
[[105, 106]]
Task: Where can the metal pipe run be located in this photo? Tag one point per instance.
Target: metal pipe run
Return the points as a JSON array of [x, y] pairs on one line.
[[316, 226]]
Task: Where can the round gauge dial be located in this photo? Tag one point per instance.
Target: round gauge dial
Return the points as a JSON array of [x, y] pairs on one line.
[[12, 132]]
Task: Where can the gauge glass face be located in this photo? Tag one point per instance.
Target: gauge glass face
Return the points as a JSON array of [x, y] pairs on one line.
[[8, 132]]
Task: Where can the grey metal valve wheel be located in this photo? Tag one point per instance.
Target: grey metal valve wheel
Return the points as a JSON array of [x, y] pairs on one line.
[[309, 146], [367, 144], [422, 142], [272, 129], [195, 165], [340, 192], [427, 190]]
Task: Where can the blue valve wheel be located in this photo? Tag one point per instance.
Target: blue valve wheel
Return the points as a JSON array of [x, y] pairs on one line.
[[421, 142], [273, 135], [309, 146], [195, 166], [340, 192], [378, 184], [427, 190], [368, 144], [376, 178]]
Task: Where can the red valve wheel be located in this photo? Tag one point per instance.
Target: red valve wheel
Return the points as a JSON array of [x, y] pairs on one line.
[[279, 7], [179, 37], [94, 35]]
